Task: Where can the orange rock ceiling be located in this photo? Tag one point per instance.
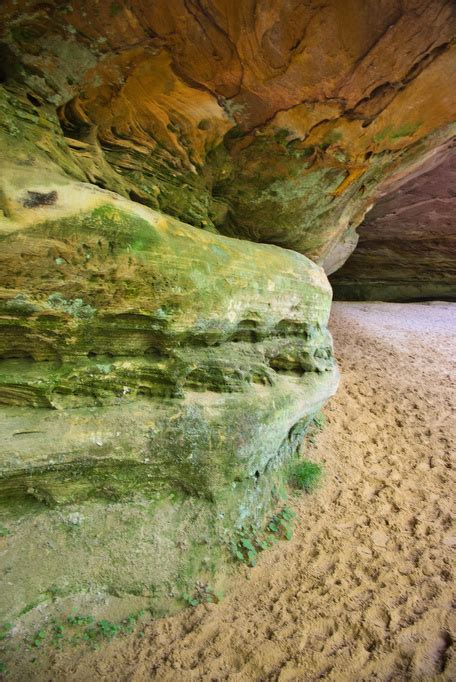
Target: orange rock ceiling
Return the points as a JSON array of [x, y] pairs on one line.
[[272, 121]]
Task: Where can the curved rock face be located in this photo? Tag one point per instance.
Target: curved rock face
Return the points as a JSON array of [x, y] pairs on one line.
[[162, 353], [407, 244], [148, 369]]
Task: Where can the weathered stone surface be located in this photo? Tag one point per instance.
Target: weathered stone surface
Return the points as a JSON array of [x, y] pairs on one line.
[[153, 372], [275, 122], [145, 362], [407, 245]]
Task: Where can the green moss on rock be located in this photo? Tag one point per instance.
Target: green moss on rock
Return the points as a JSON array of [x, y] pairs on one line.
[[149, 370]]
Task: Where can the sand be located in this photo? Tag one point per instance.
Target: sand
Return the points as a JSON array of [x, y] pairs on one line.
[[365, 590]]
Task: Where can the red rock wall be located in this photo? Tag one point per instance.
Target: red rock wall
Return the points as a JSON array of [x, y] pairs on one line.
[[407, 244]]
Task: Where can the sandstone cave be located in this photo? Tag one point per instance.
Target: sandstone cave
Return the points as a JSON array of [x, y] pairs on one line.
[[228, 335]]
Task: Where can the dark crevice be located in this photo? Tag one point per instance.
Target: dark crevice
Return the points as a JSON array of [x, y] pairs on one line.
[[35, 199], [9, 64], [34, 100], [134, 196], [100, 183]]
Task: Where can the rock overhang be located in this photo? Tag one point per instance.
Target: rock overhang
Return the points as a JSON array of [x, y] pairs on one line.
[[279, 124], [166, 169]]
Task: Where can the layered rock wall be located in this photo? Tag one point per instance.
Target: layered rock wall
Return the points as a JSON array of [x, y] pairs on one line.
[[146, 365]]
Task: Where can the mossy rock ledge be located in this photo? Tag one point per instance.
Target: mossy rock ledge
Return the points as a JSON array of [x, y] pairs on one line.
[[154, 379]]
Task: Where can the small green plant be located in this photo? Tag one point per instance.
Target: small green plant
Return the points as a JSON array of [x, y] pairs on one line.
[[189, 600], [108, 629], [39, 638], [282, 523], [58, 633], [305, 475], [246, 545], [130, 622], [249, 542], [246, 550], [82, 628]]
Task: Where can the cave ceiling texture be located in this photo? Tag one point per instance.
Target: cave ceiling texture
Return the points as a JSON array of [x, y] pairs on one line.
[[178, 178]]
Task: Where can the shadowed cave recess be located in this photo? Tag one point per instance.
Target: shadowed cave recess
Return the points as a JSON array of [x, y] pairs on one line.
[[178, 180]]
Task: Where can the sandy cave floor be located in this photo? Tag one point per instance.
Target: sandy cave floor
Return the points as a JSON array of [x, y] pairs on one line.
[[366, 588]]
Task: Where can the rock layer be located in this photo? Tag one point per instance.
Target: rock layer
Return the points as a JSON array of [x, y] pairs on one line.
[[407, 245], [275, 122], [146, 362]]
